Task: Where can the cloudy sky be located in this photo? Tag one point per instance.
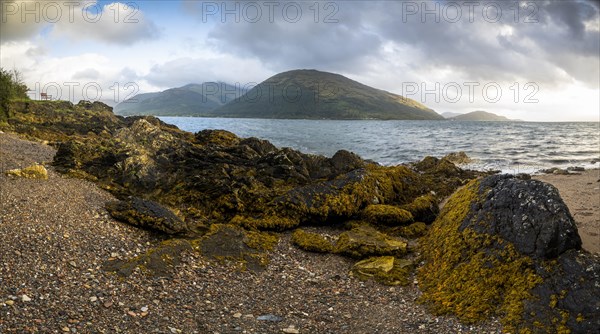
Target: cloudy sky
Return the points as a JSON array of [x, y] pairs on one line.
[[532, 60]]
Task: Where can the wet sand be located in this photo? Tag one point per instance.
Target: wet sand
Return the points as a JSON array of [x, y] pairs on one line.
[[581, 193]]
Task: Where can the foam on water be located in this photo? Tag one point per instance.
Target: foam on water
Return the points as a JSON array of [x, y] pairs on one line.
[[512, 147]]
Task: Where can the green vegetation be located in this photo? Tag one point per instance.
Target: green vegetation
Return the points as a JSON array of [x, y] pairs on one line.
[[311, 94], [11, 88]]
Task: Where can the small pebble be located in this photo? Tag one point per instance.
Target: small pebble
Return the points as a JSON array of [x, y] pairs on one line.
[[9, 302], [237, 315], [25, 298], [93, 299], [269, 317], [291, 330]]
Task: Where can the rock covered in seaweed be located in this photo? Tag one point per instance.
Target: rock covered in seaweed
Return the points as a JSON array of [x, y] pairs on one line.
[[504, 246], [214, 176], [146, 214], [387, 270], [32, 172]]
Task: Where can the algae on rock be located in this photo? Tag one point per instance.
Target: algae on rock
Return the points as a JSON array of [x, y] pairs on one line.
[[31, 172], [387, 215], [312, 242], [366, 241], [478, 265], [387, 270]]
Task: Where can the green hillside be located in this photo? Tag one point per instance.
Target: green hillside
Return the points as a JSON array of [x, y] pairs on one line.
[[311, 94], [189, 100]]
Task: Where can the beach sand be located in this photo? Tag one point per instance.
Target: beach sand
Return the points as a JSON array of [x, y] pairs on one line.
[[581, 193]]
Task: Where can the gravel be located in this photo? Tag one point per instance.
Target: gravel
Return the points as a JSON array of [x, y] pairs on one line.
[[56, 234]]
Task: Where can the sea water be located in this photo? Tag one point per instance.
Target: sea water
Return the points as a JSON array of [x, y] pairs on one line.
[[512, 147]]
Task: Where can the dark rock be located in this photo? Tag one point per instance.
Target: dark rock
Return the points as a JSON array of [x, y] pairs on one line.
[[344, 161], [571, 287], [528, 213], [575, 169], [523, 176], [146, 214]]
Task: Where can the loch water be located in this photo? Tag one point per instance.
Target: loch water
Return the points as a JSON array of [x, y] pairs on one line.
[[512, 147]]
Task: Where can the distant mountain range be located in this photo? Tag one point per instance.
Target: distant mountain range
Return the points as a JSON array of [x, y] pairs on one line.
[[298, 94], [478, 115], [189, 100]]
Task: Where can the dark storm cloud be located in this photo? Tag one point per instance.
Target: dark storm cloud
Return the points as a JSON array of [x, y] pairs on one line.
[[542, 41], [329, 35]]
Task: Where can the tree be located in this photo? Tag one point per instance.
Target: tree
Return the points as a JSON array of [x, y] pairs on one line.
[[11, 87]]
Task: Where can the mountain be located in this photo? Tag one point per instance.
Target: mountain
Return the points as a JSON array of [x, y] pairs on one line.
[[189, 100], [479, 116], [449, 114], [311, 94]]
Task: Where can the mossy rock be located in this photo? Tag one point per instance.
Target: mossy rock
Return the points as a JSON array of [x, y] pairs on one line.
[[423, 208], [312, 242], [146, 214], [217, 137], [159, 261], [267, 222], [386, 215], [387, 270], [412, 231], [31, 172], [226, 242], [458, 158], [477, 265], [366, 241]]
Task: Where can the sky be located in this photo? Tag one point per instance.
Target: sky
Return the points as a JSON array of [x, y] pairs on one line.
[[529, 60]]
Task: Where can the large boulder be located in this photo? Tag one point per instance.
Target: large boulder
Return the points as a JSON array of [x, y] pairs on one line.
[[528, 213], [509, 247]]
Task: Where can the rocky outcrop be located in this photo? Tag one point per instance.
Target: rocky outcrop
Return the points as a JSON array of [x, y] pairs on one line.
[[501, 246], [509, 247]]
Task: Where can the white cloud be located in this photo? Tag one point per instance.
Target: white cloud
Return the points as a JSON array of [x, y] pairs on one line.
[[116, 22]]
